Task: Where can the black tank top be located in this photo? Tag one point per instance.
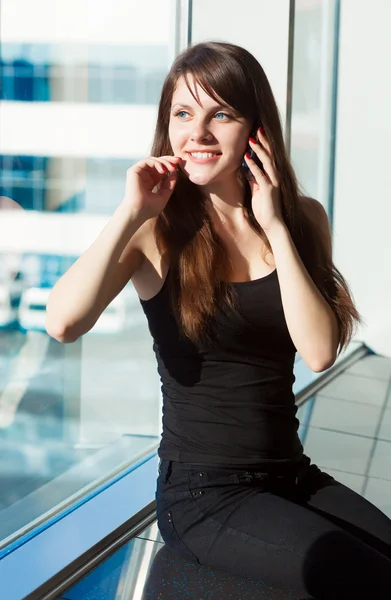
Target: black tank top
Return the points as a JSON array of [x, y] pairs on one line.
[[231, 403]]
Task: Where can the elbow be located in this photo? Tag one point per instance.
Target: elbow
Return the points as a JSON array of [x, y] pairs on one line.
[[60, 334], [322, 366], [63, 338]]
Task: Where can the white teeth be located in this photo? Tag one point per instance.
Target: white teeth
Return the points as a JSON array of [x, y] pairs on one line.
[[202, 155]]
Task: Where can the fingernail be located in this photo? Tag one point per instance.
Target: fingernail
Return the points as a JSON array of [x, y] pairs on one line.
[[261, 131], [252, 140], [248, 156]]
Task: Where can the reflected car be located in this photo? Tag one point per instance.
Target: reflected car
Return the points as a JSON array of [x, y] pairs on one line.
[[32, 311], [112, 320], [32, 308]]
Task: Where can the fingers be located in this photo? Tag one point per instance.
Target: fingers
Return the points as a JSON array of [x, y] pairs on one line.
[[264, 157], [168, 167], [168, 184], [254, 169], [170, 162], [160, 166], [262, 139]]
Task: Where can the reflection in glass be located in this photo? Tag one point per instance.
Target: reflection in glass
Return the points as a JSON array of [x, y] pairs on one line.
[[73, 417]]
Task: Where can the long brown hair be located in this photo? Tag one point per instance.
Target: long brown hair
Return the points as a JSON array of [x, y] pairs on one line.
[[199, 263]]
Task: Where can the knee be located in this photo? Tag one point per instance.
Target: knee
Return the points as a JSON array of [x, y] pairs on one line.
[[339, 566]]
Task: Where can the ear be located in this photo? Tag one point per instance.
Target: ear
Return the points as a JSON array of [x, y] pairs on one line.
[[320, 222]]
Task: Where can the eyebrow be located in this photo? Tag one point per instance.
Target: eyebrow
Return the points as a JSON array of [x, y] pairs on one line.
[[212, 108]]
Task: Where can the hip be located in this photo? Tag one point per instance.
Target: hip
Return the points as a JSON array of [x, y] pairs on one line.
[[181, 484]]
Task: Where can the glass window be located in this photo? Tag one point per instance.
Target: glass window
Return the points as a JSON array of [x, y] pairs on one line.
[[313, 96], [72, 416], [115, 75]]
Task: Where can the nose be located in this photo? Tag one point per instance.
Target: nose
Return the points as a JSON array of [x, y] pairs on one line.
[[201, 133]]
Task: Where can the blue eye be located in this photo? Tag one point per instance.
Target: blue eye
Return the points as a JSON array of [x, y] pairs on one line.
[[181, 112]]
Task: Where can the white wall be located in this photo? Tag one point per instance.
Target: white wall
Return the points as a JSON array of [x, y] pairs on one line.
[[362, 242], [260, 26]]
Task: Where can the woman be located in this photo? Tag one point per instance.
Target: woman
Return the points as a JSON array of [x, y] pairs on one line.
[[234, 272]]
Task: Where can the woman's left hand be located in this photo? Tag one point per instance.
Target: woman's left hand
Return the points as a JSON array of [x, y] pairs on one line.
[[266, 196]]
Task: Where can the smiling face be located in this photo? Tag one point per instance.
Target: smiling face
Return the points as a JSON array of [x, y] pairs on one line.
[[211, 138]]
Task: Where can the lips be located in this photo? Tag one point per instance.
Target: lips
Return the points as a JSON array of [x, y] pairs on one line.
[[203, 151], [215, 156]]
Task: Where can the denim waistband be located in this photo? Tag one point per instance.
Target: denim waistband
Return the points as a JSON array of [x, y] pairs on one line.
[[167, 467], [269, 469]]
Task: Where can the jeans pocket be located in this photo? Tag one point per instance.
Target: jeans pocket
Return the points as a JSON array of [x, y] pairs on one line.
[[171, 537]]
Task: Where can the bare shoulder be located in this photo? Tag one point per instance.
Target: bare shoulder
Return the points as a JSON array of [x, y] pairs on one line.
[[319, 219]]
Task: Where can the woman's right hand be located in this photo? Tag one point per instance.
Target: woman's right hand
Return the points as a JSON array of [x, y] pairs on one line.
[[149, 185]]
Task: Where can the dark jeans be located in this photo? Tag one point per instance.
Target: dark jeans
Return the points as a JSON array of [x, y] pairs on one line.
[[301, 532]]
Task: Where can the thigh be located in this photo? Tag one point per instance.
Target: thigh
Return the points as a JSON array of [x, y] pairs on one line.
[[343, 506], [253, 532]]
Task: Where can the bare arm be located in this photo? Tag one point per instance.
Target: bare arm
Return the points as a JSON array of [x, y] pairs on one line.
[[311, 322], [81, 295], [92, 282]]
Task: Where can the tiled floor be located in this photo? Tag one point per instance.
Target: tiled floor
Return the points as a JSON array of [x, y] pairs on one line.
[[348, 435], [350, 429]]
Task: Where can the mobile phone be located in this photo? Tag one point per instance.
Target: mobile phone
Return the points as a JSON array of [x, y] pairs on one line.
[[254, 157]]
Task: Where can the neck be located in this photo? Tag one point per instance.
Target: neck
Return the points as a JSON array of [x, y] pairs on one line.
[[227, 199]]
